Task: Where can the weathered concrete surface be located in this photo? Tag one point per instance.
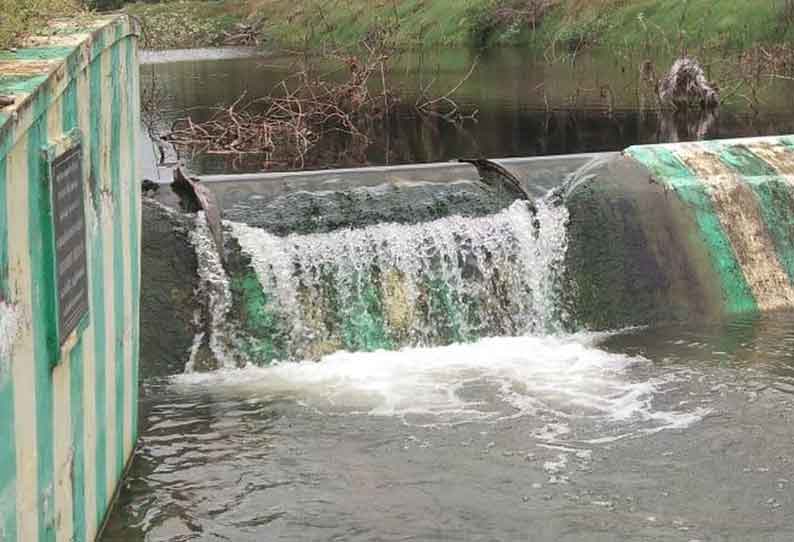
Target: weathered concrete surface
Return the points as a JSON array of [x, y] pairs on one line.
[[68, 385], [683, 231], [169, 281]]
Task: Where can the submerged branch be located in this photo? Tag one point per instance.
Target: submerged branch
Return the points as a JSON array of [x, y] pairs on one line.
[[303, 109]]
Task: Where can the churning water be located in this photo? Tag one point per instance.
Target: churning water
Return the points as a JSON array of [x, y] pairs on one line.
[[566, 377], [450, 321], [389, 285], [417, 382]]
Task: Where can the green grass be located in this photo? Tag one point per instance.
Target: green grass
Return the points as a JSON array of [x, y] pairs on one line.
[[187, 23], [568, 24], [695, 23], [340, 23]]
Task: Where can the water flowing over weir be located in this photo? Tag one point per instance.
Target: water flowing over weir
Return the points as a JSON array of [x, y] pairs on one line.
[[389, 286], [648, 236], [458, 319], [456, 396]]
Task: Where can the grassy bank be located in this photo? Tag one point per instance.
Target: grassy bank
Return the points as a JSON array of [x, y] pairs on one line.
[[188, 23], [544, 25], [541, 24]]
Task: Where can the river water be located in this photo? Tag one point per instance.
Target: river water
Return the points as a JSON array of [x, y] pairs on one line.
[[516, 432], [524, 106], [678, 434]]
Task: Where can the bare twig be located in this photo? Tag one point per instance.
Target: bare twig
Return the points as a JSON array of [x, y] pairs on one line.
[[303, 109]]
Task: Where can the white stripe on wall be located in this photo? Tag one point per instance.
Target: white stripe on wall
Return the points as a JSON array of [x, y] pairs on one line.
[[89, 362], [63, 451], [109, 279], [23, 368], [126, 198]]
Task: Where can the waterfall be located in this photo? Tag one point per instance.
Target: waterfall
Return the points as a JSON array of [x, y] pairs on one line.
[[388, 286], [216, 333]]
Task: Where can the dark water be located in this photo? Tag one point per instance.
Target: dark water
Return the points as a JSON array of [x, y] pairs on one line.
[[524, 107], [541, 438]]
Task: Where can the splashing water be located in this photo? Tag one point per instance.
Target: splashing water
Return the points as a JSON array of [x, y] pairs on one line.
[[217, 299], [387, 286], [559, 380], [443, 322]]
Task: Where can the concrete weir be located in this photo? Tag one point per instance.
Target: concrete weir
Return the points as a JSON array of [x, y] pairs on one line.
[[683, 231], [689, 231], [69, 276]]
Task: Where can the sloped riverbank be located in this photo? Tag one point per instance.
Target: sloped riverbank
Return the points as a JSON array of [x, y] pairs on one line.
[[553, 26]]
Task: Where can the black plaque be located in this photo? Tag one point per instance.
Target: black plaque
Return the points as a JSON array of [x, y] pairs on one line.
[[70, 249]]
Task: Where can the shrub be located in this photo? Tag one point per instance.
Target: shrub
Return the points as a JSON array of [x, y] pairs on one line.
[[18, 18]]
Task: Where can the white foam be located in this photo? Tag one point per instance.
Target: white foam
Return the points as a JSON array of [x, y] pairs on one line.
[[506, 272], [562, 378]]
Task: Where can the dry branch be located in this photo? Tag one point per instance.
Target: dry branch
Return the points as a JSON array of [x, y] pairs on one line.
[[283, 126]]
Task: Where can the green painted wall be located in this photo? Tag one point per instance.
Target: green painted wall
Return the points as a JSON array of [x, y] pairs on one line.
[[67, 404], [683, 231]]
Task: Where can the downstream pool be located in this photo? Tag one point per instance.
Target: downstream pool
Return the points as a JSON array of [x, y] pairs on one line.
[[674, 434]]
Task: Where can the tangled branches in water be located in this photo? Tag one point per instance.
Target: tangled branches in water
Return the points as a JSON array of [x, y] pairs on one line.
[[283, 127], [299, 112]]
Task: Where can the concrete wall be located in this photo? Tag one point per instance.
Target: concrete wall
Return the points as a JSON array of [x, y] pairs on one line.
[[683, 231], [68, 404]]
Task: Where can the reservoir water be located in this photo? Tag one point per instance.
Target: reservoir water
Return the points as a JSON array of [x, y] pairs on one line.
[[524, 106]]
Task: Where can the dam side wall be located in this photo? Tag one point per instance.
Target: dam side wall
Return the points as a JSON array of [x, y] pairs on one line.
[[698, 231], [69, 277]]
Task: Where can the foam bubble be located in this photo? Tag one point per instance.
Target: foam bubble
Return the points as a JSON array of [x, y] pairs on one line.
[[564, 378]]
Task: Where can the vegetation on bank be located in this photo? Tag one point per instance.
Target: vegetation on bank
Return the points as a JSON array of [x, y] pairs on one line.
[[541, 24], [168, 24], [182, 24], [18, 18], [550, 26]]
